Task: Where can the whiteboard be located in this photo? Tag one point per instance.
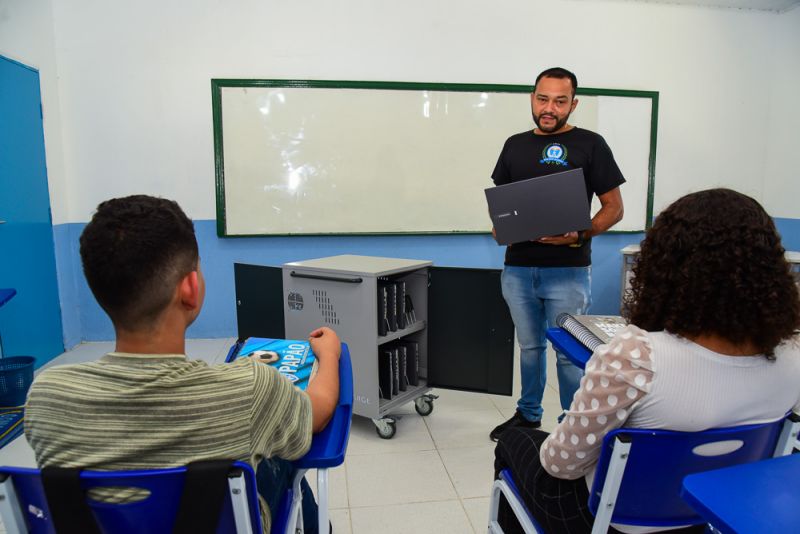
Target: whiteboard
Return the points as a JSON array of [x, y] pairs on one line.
[[303, 157]]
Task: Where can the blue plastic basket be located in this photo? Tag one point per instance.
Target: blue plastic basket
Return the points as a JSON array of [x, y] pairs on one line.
[[16, 375]]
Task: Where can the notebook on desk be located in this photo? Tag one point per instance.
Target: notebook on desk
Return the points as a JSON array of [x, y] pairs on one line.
[[548, 205], [293, 359], [591, 330]]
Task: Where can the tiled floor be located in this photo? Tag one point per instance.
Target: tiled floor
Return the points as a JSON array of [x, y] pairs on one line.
[[433, 477]]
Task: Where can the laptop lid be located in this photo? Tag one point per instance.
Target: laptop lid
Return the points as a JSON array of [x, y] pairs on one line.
[[547, 205]]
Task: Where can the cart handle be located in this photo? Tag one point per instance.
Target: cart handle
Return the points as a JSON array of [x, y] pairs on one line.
[[329, 278]]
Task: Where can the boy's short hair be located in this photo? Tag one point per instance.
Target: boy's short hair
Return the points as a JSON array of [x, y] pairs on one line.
[[134, 252]]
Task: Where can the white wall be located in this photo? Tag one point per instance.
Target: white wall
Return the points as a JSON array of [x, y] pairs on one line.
[[134, 90], [27, 36], [782, 190]]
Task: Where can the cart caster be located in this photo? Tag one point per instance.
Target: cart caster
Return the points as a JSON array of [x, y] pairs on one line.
[[386, 427], [424, 404]]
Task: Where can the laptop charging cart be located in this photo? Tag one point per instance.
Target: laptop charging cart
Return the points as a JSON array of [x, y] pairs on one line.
[[462, 326]]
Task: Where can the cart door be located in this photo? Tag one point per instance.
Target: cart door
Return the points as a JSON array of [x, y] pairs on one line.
[[259, 301], [470, 331]]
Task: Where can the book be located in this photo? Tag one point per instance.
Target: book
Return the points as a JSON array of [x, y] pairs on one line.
[[293, 359], [591, 330]]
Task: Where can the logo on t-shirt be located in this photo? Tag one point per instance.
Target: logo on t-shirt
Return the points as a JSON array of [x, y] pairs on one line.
[[554, 154]]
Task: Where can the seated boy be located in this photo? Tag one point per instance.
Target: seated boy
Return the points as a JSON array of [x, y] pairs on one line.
[[146, 405]]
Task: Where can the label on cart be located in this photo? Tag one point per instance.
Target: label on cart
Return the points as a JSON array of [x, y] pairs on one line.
[[295, 301]]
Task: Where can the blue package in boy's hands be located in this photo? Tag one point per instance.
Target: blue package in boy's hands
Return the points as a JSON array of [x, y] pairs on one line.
[[294, 359]]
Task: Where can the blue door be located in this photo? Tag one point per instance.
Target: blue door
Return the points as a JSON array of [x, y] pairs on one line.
[[30, 323]]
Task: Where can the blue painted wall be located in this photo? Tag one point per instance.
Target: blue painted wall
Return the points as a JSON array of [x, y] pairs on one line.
[[790, 233], [84, 320], [70, 278]]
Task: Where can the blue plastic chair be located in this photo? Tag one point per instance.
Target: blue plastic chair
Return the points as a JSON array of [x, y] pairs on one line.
[[24, 507], [640, 472], [327, 450], [506, 486]]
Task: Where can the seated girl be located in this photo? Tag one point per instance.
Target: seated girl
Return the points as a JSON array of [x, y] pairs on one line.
[[713, 312]]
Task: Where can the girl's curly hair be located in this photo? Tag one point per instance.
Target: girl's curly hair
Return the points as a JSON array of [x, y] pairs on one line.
[[713, 264]]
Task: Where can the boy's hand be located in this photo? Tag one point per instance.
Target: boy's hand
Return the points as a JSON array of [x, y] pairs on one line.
[[325, 343]]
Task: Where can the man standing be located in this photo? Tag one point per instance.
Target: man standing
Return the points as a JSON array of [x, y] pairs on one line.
[[551, 275]]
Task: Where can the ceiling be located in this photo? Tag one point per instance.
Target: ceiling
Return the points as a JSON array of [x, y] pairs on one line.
[[760, 5]]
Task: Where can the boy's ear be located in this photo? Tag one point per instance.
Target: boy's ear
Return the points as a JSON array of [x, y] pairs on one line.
[[189, 291]]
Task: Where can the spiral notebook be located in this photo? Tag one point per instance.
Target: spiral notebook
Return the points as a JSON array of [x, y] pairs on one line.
[[591, 330]]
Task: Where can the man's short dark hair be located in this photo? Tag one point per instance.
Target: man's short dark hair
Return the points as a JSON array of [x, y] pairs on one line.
[[134, 251], [559, 73]]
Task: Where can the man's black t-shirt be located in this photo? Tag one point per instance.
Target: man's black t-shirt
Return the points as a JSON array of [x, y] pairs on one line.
[[527, 155]]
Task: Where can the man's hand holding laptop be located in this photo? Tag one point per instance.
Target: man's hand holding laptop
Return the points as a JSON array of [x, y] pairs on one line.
[[564, 239]]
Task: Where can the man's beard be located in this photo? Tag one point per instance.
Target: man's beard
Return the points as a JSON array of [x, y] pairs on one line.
[[556, 127]]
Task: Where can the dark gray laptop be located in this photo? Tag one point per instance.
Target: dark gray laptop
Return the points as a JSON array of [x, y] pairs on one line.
[[537, 207]]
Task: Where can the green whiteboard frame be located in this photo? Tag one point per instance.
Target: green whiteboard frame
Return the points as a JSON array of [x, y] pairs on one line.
[[217, 84]]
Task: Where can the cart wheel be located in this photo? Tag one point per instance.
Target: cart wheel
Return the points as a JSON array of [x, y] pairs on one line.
[[386, 428], [423, 405]]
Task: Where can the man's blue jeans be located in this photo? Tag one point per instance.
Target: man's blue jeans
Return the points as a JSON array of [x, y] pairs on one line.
[[535, 296], [273, 477]]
